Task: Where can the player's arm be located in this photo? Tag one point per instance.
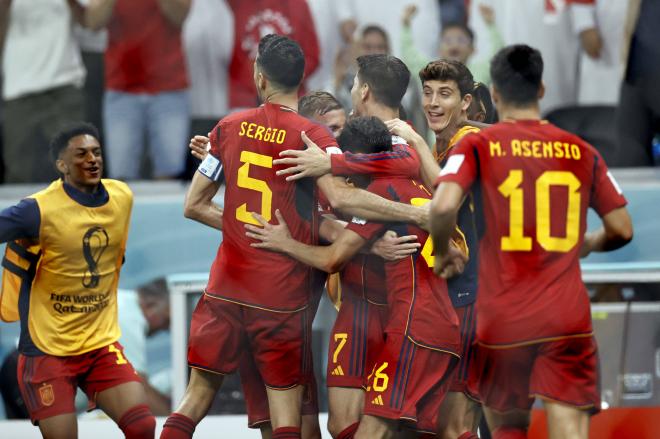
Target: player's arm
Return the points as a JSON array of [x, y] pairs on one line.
[[98, 13], [329, 258], [21, 221], [429, 168], [444, 211], [616, 232], [199, 205]]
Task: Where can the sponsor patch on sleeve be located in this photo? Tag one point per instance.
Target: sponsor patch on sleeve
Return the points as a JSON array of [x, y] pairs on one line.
[[453, 165]]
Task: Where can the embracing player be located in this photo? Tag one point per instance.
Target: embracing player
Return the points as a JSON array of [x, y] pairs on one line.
[[534, 324]]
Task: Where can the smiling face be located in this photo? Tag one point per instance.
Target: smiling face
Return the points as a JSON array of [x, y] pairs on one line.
[[443, 104], [81, 162]]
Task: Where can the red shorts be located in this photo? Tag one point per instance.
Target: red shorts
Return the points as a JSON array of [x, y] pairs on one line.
[[356, 340], [254, 389], [48, 383], [464, 378], [564, 370], [404, 374], [221, 330]]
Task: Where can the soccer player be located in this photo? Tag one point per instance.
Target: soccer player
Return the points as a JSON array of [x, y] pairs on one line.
[[239, 308], [323, 108], [414, 358], [66, 247], [537, 181]]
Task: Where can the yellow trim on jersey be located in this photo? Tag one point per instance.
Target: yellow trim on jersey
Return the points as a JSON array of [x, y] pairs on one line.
[[236, 302], [535, 341], [462, 132], [73, 298]]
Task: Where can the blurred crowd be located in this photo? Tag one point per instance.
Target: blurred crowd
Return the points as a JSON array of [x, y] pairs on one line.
[[149, 73]]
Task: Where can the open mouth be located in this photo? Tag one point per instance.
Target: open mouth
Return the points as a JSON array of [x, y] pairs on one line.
[[434, 116]]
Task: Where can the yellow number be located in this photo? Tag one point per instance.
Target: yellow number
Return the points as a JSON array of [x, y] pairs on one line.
[[245, 181], [342, 337], [427, 250], [516, 241], [380, 379], [543, 184], [120, 357]]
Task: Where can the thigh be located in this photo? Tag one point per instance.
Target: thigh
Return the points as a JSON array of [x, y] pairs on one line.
[[344, 407], [463, 373], [566, 422], [59, 427], [566, 371], [123, 119], [505, 377], [109, 369], [254, 390], [217, 337], [117, 400], [47, 385], [168, 125]]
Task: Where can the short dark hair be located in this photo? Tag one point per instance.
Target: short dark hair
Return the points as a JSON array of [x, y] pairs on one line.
[[365, 134], [448, 70], [155, 288], [516, 72], [481, 97], [461, 26], [61, 140], [317, 102], [281, 60], [387, 77]]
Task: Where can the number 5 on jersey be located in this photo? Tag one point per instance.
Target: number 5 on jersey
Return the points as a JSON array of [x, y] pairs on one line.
[[246, 182]]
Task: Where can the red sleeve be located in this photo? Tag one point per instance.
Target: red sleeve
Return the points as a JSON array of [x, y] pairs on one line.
[[606, 194], [214, 139], [462, 166], [402, 161]]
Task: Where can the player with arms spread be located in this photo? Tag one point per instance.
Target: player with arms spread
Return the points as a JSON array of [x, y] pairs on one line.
[[239, 309], [67, 247], [534, 323]]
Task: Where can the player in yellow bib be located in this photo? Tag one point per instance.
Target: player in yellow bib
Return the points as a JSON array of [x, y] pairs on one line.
[[65, 249]]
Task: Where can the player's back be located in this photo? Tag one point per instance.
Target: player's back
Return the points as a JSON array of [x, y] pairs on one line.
[[537, 182], [247, 143]]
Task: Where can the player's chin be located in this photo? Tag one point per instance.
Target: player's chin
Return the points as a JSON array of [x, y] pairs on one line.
[[437, 124]]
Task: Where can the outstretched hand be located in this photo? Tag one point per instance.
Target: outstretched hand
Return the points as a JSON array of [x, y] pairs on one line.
[[275, 237], [393, 248], [311, 162]]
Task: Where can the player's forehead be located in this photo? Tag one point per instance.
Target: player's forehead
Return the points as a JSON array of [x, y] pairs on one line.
[[441, 85], [82, 142]]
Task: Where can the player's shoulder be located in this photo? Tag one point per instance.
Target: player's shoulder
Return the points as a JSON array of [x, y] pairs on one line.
[[117, 188], [240, 116], [571, 138]]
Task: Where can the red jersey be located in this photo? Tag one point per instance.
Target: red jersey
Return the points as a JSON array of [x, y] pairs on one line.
[[252, 21], [536, 183], [144, 53], [418, 300], [246, 143], [401, 161]]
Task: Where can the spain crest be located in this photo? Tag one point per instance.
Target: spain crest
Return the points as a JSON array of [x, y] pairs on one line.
[[47, 394]]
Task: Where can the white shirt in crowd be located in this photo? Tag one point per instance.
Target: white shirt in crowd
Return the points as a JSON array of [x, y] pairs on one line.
[[40, 51]]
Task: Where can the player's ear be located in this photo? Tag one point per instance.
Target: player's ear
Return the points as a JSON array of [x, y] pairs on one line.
[[261, 81], [61, 166], [364, 91], [494, 95], [467, 100], [541, 92]]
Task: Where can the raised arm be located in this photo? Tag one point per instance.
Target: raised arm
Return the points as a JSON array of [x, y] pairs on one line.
[[329, 258]]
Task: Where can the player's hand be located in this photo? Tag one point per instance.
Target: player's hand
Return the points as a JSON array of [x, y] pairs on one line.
[[408, 13], [592, 43], [450, 264], [487, 13], [273, 237], [199, 147], [403, 130], [392, 247], [311, 162]]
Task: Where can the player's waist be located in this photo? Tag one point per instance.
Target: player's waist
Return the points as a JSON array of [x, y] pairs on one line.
[[258, 302]]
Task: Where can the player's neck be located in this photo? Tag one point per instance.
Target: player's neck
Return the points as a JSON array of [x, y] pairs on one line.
[[87, 189], [519, 113], [443, 136], [382, 112], [280, 98]]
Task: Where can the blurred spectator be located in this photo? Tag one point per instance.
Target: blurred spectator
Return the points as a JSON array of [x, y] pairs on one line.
[[607, 67], [324, 13], [92, 48], [456, 44], [253, 20], [452, 11], [373, 41], [208, 37], [639, 107], [43, 75], [146, 84], [558, 28]]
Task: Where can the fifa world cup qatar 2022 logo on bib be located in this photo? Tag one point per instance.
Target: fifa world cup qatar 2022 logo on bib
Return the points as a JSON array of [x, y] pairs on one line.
[[95, 241], [261, 24]]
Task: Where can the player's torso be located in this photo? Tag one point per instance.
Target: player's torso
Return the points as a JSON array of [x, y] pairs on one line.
[[249, 143], [73, 300], [364, 277], [536, 187]]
